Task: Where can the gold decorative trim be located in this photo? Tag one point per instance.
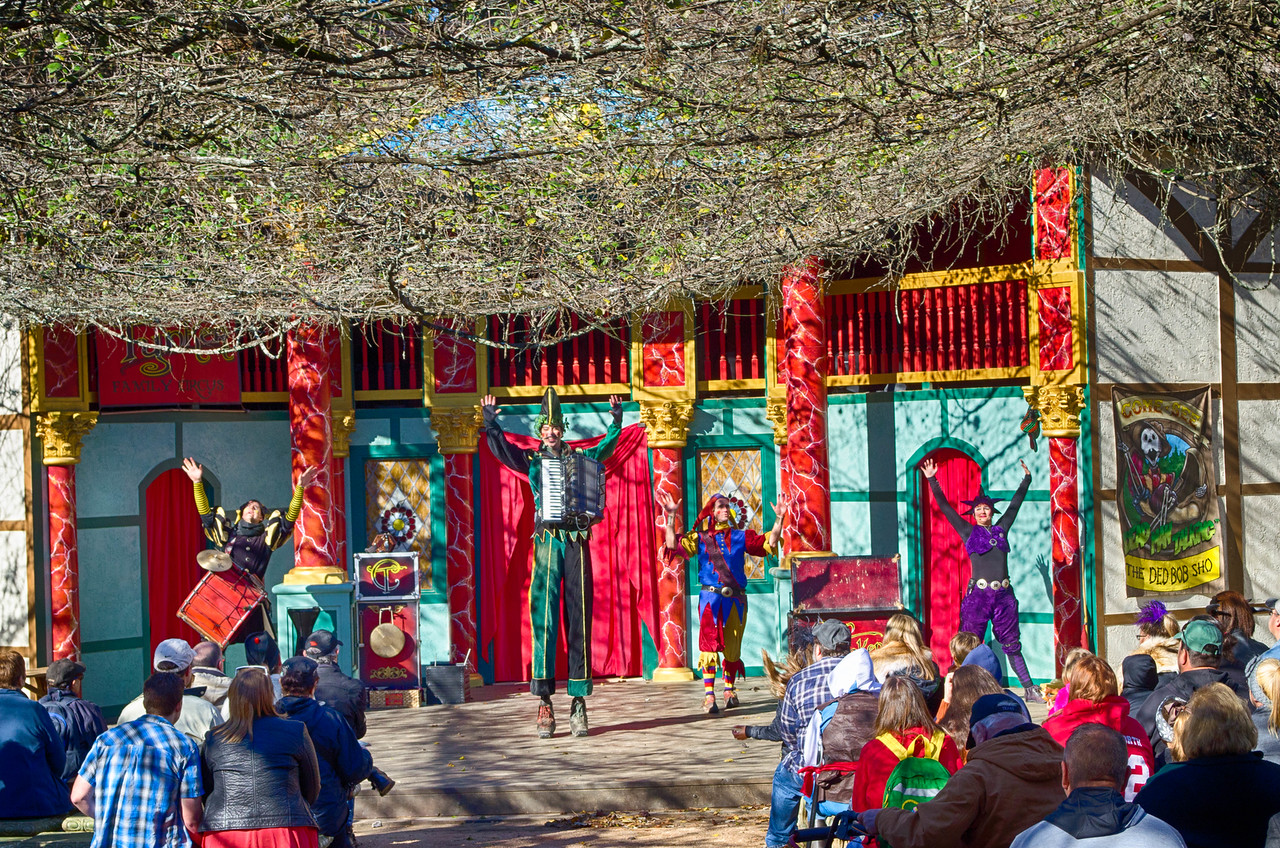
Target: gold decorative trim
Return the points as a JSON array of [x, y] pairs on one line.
[[342, 423], [60, 433], [315, 575], [1059, 408], [458, 429], [775, 409], [672, 675], [667, 422]]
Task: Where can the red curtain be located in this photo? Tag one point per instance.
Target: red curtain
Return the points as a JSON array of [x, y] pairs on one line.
[[623, 551], [174, 537], [946, 564]]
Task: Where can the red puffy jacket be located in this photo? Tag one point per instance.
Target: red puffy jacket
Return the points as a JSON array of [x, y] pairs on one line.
[[1112, 711]]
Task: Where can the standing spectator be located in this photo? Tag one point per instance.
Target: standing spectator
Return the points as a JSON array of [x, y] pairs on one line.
[[1094, 773], [1221, 795], [903, 728], [1234, 614], [141, 780], [1092, 684], [82, 721], [1140, 680], [1013, 778], [260, 774], [345, 694], [343, 763], [31, 752], [806, 691], [1157, 630], [1251, 669], [261, 649], [207, 672], [1267, 718], [335, 689], [197, 716], [1198, 657]]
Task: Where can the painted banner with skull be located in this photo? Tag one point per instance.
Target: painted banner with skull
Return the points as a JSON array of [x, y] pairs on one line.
[[1166, 492]]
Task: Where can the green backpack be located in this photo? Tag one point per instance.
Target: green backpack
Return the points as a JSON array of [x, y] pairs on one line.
[[915, 779]]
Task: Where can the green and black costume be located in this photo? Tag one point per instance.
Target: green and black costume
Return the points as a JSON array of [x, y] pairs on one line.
[[560, 556]]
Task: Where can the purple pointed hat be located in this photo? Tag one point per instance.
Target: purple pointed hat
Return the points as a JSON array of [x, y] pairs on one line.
[[981, 499]]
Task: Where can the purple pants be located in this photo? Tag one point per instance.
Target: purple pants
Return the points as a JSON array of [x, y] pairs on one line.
[[998, 606]]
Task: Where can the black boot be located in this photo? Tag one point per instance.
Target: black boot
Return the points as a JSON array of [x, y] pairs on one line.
[[380, 781], [578, 717]]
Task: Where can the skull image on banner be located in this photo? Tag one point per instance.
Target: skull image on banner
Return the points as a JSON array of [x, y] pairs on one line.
[[1166, 492]]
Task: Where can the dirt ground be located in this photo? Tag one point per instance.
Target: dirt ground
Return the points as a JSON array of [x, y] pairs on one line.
[[743, 826]]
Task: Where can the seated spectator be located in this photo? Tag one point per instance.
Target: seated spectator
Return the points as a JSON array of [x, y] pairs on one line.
[[1094, 774], [141, 780], [1198, 657], [1059, 693], [1234, 614], [800, 640], [903, 728], [82, 721], [207, 672], [1013, 778], [961, 644], [1221, 794], [806, 691], [1140, 680], [261, 649], [1092, 684], [838, 729], [260, 774], [965, 686], [903, 652], [198, 716], [343, 763], [1267, 718], [32, 757], [1156, 631]]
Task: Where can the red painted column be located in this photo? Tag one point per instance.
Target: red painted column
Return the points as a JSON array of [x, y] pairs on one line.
[[310, 350], [1064, 508], [460, 547], [805, 372], [668, 479], [64, 562]]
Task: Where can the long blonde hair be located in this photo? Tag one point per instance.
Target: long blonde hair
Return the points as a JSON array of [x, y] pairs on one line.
[[1268, 672], [903, 647], [250, 697]]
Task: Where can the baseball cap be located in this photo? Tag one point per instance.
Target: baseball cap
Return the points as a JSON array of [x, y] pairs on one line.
[[63, 672], [322, 642], [261, 649], [175, 652], [831, 634], [1202, 637]]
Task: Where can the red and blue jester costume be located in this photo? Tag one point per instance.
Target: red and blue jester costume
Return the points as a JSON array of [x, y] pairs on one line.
[[721, 549]]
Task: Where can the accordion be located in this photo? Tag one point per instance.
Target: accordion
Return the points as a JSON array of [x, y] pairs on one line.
[[572, 491]]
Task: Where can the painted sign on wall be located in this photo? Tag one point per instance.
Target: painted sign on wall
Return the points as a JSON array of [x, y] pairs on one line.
[[1167, 492], [133, 374]]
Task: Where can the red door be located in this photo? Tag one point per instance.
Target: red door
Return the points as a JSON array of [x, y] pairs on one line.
[[946, 565], [174, 537]]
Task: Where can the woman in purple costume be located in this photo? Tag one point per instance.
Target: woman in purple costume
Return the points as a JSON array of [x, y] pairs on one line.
[[990, 596]]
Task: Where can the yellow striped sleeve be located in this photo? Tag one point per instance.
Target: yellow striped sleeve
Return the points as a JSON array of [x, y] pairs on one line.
[[202, 500], [295, 505]]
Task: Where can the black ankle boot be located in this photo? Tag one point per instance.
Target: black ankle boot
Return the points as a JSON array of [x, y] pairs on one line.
[[380, 781]]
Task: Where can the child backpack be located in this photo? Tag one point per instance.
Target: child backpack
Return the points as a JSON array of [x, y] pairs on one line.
[[915, 779]]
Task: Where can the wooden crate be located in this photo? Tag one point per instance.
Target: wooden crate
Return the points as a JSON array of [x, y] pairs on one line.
[[390, 699]]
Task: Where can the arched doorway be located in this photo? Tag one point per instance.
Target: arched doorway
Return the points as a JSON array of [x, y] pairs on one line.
[[946, 565], [174, 537]]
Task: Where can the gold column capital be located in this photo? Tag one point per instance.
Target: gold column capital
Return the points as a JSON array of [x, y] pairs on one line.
[[1059, 408], [60, 432], [342, 423], [457, 428], [667, 422], [776, 411]]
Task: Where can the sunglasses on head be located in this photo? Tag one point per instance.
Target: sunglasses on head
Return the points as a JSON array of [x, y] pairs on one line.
[[261, 668]]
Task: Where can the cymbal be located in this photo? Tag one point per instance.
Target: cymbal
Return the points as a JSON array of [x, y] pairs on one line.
[[211, 560]]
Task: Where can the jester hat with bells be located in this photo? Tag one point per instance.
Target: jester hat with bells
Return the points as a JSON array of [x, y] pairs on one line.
[[550, 412], [706, 519]]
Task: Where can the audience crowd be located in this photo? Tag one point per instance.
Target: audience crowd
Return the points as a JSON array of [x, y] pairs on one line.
[[255, 759], [882, 744]]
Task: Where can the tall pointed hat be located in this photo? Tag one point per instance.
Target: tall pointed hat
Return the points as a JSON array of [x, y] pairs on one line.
[[550, 413]]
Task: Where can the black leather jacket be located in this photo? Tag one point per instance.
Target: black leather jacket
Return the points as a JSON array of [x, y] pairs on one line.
[[345, 694], [267, 781]]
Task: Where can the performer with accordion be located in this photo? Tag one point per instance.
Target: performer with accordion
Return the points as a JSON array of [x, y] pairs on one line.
[[568, 497]]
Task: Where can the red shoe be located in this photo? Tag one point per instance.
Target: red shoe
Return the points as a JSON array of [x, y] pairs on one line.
[[546, 722], [709, 704]]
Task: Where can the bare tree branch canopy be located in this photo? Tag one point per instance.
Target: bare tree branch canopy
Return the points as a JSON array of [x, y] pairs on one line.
[[251, 164]]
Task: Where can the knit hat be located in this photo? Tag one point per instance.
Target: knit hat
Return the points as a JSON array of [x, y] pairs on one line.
[[261, 649], [995, 715]]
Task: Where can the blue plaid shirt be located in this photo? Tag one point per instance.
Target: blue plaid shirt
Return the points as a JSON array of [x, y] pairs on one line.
[[138, 771], [806, 691]]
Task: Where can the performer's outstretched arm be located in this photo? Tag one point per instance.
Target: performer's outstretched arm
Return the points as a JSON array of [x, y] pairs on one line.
[[508, 454], [930, 469], [1011, 513], [604, 449], [673, 541], [277, 527], [216, 527]]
